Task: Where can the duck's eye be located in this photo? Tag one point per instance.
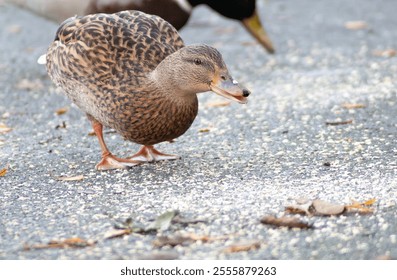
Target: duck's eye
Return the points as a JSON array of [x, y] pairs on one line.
[[223, 78], [197, 61]]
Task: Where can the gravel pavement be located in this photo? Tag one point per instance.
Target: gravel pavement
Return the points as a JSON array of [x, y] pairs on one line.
[[239, 162]]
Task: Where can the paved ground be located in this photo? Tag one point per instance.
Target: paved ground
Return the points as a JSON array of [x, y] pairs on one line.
[[250, 163]]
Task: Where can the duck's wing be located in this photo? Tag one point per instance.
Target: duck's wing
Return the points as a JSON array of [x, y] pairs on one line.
[[154, 27], [115, 49]]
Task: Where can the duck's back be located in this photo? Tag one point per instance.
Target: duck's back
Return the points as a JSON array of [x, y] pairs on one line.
[[110, 49]]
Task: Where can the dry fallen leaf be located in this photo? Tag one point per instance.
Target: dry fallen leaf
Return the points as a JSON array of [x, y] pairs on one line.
[[353, 105], [172, 241], [206, 238], [115, 233], [162, 222], [71, 178], [325, 208], [61, 111], [339, 122], [356, 25], [74, 242], [204, 130], [363, 207], [185, 239], [4, 128], [304, 208], [221, 103], [369, 202], [26, 84], [3, 171], [290, 222], [160, 256], [243, 247], [385, 53]]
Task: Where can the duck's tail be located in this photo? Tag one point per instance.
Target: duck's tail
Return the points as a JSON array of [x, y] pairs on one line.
[[42, 59]]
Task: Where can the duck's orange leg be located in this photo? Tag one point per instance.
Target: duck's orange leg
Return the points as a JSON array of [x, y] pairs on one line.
[[108, 160], [150, 154]]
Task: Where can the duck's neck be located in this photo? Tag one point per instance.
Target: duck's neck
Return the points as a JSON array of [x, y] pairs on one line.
[[168, 82]]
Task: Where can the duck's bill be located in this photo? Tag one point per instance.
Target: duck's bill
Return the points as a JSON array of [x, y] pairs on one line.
[[230, 90], [254, 26]]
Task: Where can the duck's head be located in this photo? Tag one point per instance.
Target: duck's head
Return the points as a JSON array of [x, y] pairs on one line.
[[200, 68], [243, 11]]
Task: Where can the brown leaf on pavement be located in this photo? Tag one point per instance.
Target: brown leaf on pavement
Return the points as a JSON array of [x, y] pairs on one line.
[[361, 207], [326, 208], [290, 222], [320, 207], [115, 233], [71, 178], [185, 239], [61, 111], [369, 202], [304, 208], [3, 171], [242, 247], [74, 242], [353, 105], [172, 241]]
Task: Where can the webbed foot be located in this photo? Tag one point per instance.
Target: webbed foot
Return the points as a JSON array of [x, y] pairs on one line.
[[109, 161], [150, 154]]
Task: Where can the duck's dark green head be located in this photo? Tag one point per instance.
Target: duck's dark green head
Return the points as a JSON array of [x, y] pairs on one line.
[[235, 9], [244, 11]]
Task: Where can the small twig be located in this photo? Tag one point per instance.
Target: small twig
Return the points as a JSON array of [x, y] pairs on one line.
[[339, 122]]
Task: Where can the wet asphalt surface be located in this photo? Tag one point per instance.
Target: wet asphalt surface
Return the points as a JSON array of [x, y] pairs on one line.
[[239, 162]]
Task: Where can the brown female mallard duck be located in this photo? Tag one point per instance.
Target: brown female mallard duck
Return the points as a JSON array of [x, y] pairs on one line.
[[131, 71]]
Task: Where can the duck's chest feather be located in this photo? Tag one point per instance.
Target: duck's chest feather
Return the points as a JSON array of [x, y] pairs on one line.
[[151, 119], [142, 117]]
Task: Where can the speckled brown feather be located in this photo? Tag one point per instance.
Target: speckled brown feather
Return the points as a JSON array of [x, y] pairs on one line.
[[102, 61]]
